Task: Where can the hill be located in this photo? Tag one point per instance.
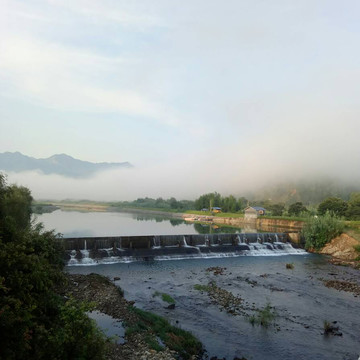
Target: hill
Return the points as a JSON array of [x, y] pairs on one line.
[[60, 164]]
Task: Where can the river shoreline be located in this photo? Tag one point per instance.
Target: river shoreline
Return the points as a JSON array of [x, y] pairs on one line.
[[212, 296]]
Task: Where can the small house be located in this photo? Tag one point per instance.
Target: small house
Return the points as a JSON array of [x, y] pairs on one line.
[[215, 209], [252, 212]]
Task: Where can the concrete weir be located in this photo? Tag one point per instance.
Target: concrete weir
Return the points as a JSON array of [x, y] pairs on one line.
[[93, 250]]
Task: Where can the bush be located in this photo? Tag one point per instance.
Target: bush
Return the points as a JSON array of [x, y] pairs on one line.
[[264, 317], [319, 230], [35, 322]]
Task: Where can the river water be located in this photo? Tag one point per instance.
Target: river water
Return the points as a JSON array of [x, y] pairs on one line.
[[298, 295], [78, 224]]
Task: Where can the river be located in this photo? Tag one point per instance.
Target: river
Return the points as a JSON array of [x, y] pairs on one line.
[[298, 296], [78, 224]]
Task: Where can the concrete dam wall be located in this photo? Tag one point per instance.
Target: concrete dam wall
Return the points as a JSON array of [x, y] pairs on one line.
[[92, 250]]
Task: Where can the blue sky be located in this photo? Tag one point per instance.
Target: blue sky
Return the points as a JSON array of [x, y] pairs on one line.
[[210, 89]]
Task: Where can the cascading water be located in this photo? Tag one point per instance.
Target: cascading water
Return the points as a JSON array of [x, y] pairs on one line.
[[156, 243], [184, 242], [166, 247], [86, 260]]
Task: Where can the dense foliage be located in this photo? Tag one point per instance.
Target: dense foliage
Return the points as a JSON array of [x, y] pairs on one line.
[[319, 230], [334, 205], [35, 322], [353, 210], [163, 204], [227, 203], [296, 209]]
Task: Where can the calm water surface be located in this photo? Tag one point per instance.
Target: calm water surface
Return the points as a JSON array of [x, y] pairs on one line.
[[78, 224]]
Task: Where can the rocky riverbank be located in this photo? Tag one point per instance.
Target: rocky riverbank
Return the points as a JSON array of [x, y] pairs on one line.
[[142, 341], [343, 251]]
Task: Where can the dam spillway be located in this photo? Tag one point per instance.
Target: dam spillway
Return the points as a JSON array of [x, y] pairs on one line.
[[100, 250]]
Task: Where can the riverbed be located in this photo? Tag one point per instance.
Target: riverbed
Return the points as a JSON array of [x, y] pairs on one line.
[[298, 296]]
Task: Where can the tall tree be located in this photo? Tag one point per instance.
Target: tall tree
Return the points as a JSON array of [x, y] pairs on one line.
[[353, 211], [335, 205], [297, 208]]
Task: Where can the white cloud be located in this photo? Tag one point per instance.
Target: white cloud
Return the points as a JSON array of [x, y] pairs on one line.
[[67, 79]]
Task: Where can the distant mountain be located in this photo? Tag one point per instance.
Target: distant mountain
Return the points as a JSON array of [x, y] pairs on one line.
[[60, 164]]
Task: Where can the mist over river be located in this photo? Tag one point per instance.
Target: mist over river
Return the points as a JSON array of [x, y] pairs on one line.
[[299, 296]]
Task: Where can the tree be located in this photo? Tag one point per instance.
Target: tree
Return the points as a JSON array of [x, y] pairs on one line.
[[242, 203], [35, 322], [297, 208], [276, 209], [353, 211], [332, 204], [208, 200], [229, 204]]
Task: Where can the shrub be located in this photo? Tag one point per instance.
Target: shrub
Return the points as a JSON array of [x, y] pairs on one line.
[[263, 317], [290, 266], [320, 230], [35, 322]]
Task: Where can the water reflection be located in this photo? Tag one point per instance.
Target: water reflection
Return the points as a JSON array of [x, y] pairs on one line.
[[79, 224]]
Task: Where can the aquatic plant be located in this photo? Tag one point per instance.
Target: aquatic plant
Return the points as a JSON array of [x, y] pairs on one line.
[[327, 326], [165, 297], [204, 288], [264, 317]]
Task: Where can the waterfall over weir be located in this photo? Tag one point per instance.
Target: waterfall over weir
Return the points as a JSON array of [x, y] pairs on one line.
[[106, 250]]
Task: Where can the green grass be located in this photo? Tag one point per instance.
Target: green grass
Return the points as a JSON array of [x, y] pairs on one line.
[[264, 317], [205, 288], [153, 343], [176, 339], [165, 297]]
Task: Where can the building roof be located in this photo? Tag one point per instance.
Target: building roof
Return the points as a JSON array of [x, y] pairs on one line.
[[258, 208]]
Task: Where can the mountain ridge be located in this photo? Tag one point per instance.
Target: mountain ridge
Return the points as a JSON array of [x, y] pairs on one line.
[[60, 164]]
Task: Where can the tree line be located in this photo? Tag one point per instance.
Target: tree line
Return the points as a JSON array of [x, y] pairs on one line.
[[346, 209], [36, 322], [159, 203]]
